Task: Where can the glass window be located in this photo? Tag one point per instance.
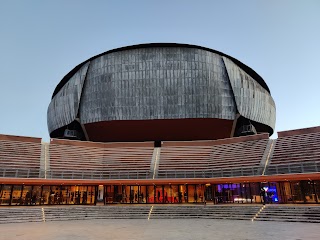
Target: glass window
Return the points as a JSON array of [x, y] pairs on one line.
[[308, 191], [159, 194], [272, 193], [208, 193], [45, 195], [16, 195], [200, 192], [142, 194], [176, 196], [297, 196], [317, 190], [26, 197], [168, 194], [36, 195], [255, 192], [55, 195], [100, 193], [72, 195], [108, 194], [192, 194], [83, 195], [135, 193], [184, 193], [5, 194], [151, 194], [65, 190], [91, 194], [125, 194]]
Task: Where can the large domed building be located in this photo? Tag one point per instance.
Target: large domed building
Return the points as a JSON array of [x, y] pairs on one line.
[[138, 112], [160, 92]]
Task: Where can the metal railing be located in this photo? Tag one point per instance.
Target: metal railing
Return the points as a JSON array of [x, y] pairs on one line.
[[72, 174], [302, 167], [19, 173], [211, 173]]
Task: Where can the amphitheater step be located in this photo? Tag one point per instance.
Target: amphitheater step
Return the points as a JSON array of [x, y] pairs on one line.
[[20, 215], [290, 214], [230, 212]]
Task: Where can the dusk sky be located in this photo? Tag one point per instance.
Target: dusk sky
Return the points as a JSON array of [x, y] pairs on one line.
[[41, 41]]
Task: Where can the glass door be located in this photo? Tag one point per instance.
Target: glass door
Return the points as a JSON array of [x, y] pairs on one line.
[[208, 193], [151, 194], [159, 194], [176, 194], [108, 194], [142, 194], [26, 196], [91, 195], [192, 194], [36, 195]]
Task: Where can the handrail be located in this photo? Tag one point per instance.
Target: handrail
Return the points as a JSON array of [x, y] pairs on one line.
[[301, 167]]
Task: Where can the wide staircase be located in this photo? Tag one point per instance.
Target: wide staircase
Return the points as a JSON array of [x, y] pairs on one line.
[[96, 212], [308, 214], [205, 212], [20, 215], [284, 213]]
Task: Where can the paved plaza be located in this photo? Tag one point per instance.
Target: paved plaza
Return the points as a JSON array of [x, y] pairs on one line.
[[142, 229]]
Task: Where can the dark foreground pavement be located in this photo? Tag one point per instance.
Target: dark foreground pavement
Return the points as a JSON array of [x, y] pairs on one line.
[[154, 229]]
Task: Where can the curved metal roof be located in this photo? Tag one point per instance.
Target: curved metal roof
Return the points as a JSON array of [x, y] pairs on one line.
[[247, 69]]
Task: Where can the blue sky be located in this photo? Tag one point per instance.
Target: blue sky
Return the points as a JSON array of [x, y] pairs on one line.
[[41, 41]]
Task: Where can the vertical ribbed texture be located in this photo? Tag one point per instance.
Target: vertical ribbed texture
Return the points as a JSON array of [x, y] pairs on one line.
[[253, 101], [157, 83], [64, 106], [160, 83]]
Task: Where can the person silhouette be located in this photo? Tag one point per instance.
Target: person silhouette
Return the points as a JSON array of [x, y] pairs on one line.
[[263, 195], [180, 197], [166, 198]]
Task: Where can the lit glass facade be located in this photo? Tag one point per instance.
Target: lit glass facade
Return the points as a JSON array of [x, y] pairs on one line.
[[240, 193], [46, 195]]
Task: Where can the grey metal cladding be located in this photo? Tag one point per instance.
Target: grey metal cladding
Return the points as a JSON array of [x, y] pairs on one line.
[[157, 83], [64, 107], [253, 101]]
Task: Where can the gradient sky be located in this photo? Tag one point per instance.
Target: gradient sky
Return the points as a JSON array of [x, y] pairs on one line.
[[41, 41]]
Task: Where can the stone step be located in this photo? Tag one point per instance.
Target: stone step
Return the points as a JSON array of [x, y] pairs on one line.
[[20, 216], [19, 221], [97, 215], [293, 210], [201, 217], [92, 218], [270, 213], [287, 220], [289, 214], [288, 217], [201, 213], [208, 209]]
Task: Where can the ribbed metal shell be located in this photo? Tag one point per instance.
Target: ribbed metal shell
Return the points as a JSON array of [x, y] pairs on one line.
[[160, 83], [64, 107], [252, 100]]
